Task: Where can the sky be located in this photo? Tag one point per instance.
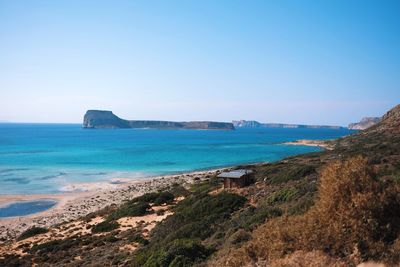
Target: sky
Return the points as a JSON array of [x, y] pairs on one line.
[[312, 62]]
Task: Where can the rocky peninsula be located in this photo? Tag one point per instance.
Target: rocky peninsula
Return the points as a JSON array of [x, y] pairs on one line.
[[256, 124], [324, 144]]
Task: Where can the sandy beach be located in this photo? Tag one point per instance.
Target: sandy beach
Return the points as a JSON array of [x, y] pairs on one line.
[[318, 143], [71, 206]]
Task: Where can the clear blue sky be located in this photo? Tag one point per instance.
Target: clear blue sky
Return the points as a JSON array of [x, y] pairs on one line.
[[315, 62]]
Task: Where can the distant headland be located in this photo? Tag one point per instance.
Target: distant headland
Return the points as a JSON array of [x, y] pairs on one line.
[[107, 119], [100, 119], [365, 123], [256, 124]]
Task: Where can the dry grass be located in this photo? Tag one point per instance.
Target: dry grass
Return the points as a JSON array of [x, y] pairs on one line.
[[355, 218], [308, 259]]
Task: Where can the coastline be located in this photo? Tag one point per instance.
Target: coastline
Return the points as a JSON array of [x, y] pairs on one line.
[[71, 206], [89, 197], [315, 143]]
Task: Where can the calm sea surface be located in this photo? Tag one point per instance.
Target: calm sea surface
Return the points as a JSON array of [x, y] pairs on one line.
[[46, 158]]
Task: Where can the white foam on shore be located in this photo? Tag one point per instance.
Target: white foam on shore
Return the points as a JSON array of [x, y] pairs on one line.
[[114, 180]]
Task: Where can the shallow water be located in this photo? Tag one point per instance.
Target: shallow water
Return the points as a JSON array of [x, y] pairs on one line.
[[26, 207], [46, 158]]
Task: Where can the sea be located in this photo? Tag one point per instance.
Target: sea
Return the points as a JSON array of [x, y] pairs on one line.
[[49, 158]]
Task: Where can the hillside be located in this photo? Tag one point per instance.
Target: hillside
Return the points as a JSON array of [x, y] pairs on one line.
[[355, 215], [332, 208], [364, 123], [107, 119]]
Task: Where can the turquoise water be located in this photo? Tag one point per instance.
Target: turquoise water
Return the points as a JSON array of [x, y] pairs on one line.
[[45, 158], [26, 207]]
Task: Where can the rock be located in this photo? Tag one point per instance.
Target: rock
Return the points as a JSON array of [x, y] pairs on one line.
[[107, 119], [365, 123]]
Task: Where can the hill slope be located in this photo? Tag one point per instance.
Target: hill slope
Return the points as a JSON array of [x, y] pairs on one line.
[[364, 123], [356, 212]]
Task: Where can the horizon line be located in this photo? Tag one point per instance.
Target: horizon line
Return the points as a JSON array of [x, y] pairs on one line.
[[36, 122]]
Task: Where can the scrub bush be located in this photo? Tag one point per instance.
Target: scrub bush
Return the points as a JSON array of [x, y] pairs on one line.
[[355, 217], [32, 232]]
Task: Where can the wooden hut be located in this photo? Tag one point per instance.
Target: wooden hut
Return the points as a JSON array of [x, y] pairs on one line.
[[236, 178]]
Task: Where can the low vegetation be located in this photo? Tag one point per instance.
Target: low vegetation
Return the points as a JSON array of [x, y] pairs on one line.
[[356, 218], [158, 198], [105, 226], [178, 239], [129, 209], [32, 232], [281, 173]]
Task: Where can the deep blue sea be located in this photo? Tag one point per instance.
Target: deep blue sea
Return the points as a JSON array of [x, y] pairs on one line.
[[46, 158]]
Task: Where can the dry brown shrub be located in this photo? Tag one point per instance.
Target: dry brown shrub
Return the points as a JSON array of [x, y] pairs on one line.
[[308, 259], [371, 264], [356, 217]]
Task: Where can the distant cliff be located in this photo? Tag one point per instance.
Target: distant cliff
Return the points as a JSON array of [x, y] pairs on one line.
[[256, 124], [246, 124], [107, 119], [364, 123]]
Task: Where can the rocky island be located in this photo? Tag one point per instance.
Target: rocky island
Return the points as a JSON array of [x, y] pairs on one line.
[[107, 119]]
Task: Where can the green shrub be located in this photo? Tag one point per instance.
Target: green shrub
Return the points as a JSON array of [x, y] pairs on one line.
[[303, 188], [47, 246], [32, 232], [164, 198], [178, 190], [138, 238], [289, 173], [156, 198], [176, 240], [181, 252], [244, 219], [129, 209], [110, 238], [256, 216], [301, 206], [199, 206], [105, 226], [283, 195], [205, 187]]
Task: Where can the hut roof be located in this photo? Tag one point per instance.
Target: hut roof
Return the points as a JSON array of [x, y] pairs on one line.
[[234, 174]]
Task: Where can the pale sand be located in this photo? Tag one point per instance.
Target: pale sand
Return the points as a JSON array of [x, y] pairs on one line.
[[318, 143], [72, 206], [82, 227]]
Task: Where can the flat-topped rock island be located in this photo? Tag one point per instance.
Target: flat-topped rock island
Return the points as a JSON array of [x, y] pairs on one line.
[[107, 119]]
